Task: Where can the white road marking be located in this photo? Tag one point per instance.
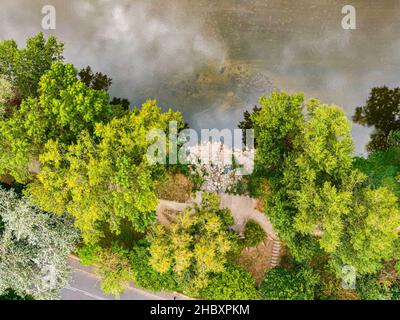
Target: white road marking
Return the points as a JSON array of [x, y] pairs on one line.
[[135, 290], [85, 293]]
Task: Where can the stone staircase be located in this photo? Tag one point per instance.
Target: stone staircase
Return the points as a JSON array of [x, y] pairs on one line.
[[276, 253], [243, 208]]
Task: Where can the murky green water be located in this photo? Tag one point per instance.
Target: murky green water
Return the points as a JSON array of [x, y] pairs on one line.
[[212, 59]]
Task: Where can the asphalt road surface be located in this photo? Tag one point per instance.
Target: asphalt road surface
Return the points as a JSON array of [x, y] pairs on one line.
[[84, 285]]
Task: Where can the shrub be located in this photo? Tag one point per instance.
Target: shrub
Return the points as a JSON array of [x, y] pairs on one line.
[[254, 234], [114, 269], [234, 283], [395, 291], [226, 217], [10, 294], [88, 254], [145, 276], [397, 267], [258, 186], [281, 284], [331, 287], [369, 288]]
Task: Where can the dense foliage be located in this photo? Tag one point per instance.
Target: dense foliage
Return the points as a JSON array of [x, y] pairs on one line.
[[113, 267], [320, 203], [25, 66], [281, 284], [234, 283], [382, 169], [80, 160], [103, 179], [65, 106], [145, 276], [34, 248], [197, 244], [247, 123], [96, 81], [382, 111], [369, 288], [10, 294], [254, 234], [7, 97]]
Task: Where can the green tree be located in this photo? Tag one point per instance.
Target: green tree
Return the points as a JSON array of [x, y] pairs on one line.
[[24, 67], [119, 106], [64, 108], [382, 110], [382, 169], [281, 284], [114, 269], [276, 125], [319, 203], [96, 81], [369, 288], [234, 283], [247, 123], [34, 248], [104, 180], [395, 291], [145, 276], [7, 95], [195, 245], [10, 294], [371, 232], [254, 234]]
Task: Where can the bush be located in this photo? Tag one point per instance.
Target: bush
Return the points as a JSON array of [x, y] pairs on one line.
[[254, 234], [395, 292], [382, 168], [331, 287], [281, 284], [234, 283], [369, 288], [114, 269], [88, 254], [258, 186], [397, 267], [10, 294], [145, 276], [226, 217]]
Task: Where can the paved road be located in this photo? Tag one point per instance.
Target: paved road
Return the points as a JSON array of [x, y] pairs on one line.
[[85, 285]]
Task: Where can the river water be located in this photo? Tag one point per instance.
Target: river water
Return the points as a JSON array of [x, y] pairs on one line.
[[213, 59]]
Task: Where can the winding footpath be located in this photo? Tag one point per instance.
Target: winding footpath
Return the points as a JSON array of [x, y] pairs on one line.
[[85, 285], [243, 209]]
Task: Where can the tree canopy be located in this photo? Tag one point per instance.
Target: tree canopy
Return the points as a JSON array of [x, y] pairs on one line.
[[196, 245], [65, 106], [382, 169], [382, 110], [82, 163], [96, 81], [24, 67], [281, 284], [104, 179], [7, 95], [320, 203], [234, 283], [34, 247]]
